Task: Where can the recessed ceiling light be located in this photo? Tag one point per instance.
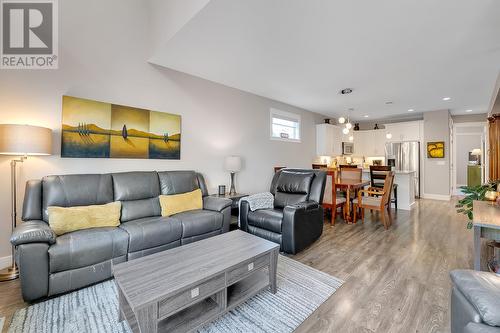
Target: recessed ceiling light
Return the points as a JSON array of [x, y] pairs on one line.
[[411, 110], [389, 102], [366, 116], [446, 98], [468, 110]]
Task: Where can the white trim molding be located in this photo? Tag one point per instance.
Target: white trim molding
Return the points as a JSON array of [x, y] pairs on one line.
[[5, 262], [442, 197]]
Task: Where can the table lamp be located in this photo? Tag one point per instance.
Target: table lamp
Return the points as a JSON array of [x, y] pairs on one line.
[[476, 152], [21, 140], [233, 165]]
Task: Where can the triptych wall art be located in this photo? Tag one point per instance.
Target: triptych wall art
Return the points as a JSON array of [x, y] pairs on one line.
[[104, 130]]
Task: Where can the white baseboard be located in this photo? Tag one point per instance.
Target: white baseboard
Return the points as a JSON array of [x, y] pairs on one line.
[[5, 262], [443, 197]]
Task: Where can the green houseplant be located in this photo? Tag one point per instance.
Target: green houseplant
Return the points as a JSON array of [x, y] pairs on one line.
[[472, 193]]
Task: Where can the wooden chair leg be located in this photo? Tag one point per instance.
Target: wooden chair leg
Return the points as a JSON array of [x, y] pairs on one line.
[[334, 215], [355, 211], [382, 217], [362, 215]]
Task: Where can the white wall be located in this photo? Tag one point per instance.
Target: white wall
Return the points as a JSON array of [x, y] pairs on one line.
[[103, 52], [437, 170]]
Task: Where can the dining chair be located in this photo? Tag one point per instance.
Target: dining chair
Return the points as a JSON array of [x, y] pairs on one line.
[[376, 199], [377, 176], [278, 168], [331, 198], [319, 166], [348, 166], [351, 173]]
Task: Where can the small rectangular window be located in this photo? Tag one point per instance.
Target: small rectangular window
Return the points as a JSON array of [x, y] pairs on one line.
[[285, 126]]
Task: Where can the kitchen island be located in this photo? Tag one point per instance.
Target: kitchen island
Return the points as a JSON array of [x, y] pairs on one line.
[[406, 187]]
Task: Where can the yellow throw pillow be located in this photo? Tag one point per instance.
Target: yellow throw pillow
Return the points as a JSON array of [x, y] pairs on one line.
[[67, 219], [178, 203]]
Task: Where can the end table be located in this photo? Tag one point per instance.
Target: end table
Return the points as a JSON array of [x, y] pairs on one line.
[[234, 206]]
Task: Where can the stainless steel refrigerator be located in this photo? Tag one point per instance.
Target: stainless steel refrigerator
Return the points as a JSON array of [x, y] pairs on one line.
[[405, 156]]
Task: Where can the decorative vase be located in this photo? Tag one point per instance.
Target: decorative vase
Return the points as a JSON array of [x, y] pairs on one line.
[[356, 126], [376, 127], [491, 195]]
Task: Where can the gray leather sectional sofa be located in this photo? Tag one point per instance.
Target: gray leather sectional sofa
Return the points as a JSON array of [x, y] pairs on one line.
[[475, 302], [51, 265]]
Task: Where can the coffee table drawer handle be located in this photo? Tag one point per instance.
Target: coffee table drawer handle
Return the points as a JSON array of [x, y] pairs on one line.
[[250, 266], [195, 292]]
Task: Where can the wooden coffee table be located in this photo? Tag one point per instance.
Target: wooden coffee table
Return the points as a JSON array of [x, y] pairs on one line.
[[182, 289]]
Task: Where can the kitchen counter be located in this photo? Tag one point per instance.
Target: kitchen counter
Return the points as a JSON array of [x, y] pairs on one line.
[[396, 172], [406, 187]]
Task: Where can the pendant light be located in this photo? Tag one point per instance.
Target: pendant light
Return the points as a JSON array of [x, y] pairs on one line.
[[341, 120]]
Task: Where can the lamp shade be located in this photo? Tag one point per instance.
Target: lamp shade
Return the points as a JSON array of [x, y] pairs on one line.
[[476, 152], [25, 140], [233, 163]]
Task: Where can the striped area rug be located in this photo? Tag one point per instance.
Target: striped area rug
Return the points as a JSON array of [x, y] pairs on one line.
[[301, 289]]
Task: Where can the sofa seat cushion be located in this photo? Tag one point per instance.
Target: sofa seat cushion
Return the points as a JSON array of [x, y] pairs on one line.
[[482, 290], [198, 222], [268, 219], [151, 232], [87, 247]]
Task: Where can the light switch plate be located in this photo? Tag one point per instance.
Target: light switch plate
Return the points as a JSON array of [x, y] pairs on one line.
[[250, 266], [195, 292]]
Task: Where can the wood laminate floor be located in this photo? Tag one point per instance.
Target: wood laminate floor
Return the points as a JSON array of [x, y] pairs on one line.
[[395, 280]]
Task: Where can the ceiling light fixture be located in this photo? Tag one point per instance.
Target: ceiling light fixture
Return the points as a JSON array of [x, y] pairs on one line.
[[389, 102], [411, 110], [341, 120], [366, 116], [446, 98], [346, 91], [468, 110], [345, 130]]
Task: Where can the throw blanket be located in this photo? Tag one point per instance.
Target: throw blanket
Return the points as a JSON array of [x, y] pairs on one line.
[[258, 201]]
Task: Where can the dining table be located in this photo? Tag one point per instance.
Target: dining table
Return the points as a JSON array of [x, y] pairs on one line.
[[349, 184]]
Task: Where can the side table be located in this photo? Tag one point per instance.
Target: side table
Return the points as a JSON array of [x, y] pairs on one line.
[[234, 207]]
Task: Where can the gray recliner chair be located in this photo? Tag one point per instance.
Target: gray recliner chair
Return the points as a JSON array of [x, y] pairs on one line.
[[475, 302], [296, 220], [51, 265]]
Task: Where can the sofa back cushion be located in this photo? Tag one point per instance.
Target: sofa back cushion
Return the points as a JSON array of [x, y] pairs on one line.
[[178, 182], [138, 192], [75, 190], [292, 187]]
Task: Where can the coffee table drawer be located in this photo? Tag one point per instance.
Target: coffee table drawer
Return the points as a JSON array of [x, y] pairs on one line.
[[246, 267], [176, 302]]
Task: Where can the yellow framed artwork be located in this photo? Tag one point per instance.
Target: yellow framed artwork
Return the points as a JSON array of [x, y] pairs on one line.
[[92, 129], [435, 149]]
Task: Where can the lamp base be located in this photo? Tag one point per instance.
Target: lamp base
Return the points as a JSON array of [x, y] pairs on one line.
[[8, 274]]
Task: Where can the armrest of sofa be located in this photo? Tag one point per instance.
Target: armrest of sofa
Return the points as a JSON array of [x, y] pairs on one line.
[[243, 217], [34, 231], [305, 205], [480, 328], [302, 224], [482, 291], [216, 204]]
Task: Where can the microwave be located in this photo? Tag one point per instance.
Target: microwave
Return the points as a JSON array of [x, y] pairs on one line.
[[347, 148]]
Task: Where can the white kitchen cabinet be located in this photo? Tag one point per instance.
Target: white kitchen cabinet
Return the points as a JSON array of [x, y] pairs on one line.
[[369, 143], [407, 131], [328, 140]]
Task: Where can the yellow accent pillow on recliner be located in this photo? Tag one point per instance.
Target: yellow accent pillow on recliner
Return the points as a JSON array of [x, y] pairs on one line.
[[67, 219], [178, 203]]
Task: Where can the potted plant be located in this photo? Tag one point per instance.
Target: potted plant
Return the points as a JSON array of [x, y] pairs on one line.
[[472, 193]]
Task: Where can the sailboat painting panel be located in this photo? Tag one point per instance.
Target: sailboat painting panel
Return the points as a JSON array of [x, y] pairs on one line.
[[103, 130]]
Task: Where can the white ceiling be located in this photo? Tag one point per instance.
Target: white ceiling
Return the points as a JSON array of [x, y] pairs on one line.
[[303, 52]]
